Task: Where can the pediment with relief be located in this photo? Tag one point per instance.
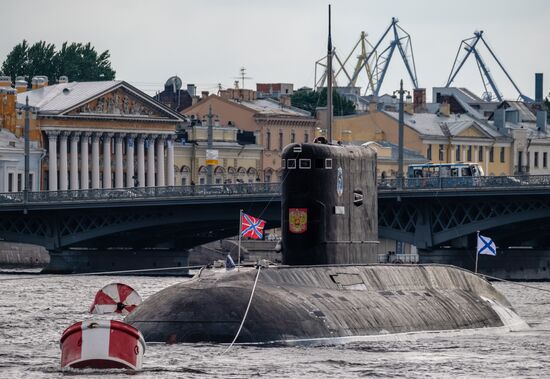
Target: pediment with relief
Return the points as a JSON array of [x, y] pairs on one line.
[[117, 103]]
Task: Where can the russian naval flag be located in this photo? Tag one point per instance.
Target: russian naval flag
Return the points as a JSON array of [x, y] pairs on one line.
[[486, 246]]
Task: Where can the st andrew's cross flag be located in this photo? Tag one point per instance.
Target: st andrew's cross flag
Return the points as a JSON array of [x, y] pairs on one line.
[[486, 246], [252, 227]]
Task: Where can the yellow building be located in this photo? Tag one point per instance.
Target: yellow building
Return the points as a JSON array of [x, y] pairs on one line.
[[274, 124], [235, 163], [98, 134], [440, 137]]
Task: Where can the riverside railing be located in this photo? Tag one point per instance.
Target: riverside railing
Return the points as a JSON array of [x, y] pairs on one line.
[[250, 189], [135, 193]]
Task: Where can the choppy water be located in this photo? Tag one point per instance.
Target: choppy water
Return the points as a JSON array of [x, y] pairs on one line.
[[34, 313]]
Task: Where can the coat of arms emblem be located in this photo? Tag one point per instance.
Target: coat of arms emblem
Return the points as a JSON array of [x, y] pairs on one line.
[[297, 220]]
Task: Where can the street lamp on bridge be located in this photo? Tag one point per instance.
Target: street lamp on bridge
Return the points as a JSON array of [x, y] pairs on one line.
[[401, 92]]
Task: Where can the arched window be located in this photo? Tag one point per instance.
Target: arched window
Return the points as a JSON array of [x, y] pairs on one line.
[[268, 174], [252, 175], [203, 171], [219, 175], [185, 176]]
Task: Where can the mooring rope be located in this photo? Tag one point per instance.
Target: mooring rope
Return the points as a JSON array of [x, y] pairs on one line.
[[512, 282], [48, 276], [246, 312]]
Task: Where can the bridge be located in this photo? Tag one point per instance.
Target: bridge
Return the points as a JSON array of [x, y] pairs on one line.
[[426, 213]]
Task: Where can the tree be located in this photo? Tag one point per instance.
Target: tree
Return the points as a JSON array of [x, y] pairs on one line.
[[77, 61], [311, 100]]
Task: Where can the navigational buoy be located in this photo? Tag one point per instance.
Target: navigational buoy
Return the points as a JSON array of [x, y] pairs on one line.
[[115, 298], [102, 344]]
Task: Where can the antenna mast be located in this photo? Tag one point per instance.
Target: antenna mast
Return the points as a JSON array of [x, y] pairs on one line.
[[329, 82]]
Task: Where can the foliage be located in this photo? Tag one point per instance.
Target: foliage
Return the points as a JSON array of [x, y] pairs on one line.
[[80, 62], [310, 100]]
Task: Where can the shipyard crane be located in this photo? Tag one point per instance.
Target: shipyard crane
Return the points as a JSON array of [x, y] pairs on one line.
[[469, 46], [376, 62], [364, 46]]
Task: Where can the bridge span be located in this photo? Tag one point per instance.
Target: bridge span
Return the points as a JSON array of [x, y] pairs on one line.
[[512, 210]]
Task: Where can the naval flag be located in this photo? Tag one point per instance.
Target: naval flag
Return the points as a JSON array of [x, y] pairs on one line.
[[486, 246], [252, 227]]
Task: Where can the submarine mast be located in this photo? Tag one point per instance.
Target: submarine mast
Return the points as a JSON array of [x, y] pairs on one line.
[[329, 82]]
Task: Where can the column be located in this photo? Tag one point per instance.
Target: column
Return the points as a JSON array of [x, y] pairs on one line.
[[130, 138], [63, 180], [170, 162], [75, 137], [84, 161], [151, 161], [140, 161], [52, 160], [107, 183], [119, 166], [95, 160], [453, 154], [160, 161]]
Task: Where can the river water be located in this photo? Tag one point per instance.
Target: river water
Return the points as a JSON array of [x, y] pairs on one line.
[[34, 312]]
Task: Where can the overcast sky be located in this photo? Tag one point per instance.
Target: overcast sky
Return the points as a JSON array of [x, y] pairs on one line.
[[206, 42]]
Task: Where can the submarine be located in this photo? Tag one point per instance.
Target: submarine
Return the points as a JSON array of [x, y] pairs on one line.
[[329, 288]]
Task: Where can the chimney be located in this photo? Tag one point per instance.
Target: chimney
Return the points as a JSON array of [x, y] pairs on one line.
[[5, 81], [204, 95], [372, 107], [21, 85], [8, 99], [445, 109], [541, 121], [38, 82], [499, 119], [191, 90], [419, 100], [285, 101], [63, 79], [538, 88]]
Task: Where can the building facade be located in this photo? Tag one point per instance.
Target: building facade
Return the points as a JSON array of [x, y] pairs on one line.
[[101, 135], [274, 124]]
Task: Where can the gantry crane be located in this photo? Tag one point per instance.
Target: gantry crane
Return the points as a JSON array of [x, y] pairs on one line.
[[375, 63], [470, 46]]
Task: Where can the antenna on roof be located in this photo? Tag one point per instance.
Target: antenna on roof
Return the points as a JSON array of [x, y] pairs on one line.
[[242, 76]]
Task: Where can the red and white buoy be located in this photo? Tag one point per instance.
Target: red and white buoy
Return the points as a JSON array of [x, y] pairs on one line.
[[115, 298], [102, 344]]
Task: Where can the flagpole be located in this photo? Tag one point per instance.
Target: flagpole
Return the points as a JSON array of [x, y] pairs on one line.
[[477, 252], [240, 232]]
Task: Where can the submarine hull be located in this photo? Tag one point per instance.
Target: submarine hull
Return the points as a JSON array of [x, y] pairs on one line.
[[300, 304]]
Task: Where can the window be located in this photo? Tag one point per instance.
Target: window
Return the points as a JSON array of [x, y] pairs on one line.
[[429, 152], [268, 140], [10, 182], [469, 153], [306, 137], [441, 152], [480, 154], [280, 140], [491, 154], [291, 164], [544, 160], [305, 163], [328, 163], [502, 151], [19, 182], [536, 159], [457, 153], [292, 137], [202, 180], [31, 180], [184, 181]]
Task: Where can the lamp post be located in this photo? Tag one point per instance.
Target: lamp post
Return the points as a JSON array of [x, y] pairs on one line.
[[401, 92], [209, 166], [27, 152]]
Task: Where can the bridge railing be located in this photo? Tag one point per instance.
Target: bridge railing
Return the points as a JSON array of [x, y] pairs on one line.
[[431, 183], [142, 193]]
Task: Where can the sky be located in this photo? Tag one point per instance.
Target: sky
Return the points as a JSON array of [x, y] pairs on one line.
[[206, 42]]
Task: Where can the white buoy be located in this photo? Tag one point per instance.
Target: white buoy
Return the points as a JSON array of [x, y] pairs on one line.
[[115, 298]]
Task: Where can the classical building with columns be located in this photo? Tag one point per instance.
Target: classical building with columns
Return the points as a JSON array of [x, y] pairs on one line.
[[102, 135]]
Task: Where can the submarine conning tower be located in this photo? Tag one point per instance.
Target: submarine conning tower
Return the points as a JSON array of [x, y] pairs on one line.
[[329, 204]]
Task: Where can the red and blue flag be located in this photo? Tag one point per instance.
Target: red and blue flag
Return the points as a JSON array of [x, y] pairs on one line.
[[252, 227]]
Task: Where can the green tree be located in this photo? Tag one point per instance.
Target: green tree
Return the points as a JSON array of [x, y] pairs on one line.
[[311, 100], [80, 62]]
